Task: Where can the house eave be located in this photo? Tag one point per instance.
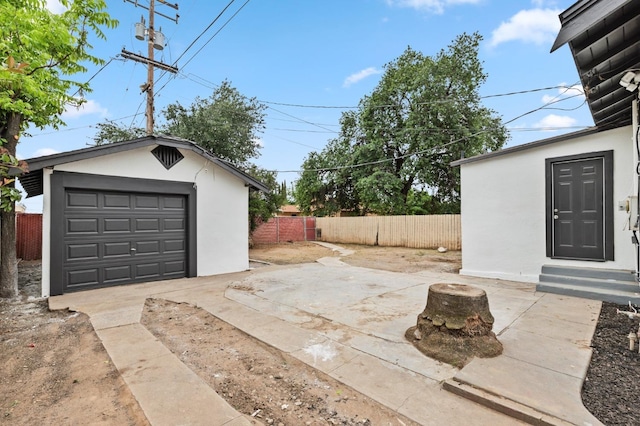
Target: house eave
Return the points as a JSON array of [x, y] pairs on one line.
[[530, 145]]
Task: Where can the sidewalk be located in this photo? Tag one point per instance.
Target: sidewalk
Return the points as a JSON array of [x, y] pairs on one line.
[[360, 315]]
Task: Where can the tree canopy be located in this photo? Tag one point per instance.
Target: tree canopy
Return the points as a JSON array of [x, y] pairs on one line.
[[227, 123], [393, 152], [39, 51]]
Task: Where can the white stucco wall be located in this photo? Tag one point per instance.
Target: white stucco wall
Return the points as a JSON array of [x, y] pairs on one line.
[[222, 205], [503, 208]]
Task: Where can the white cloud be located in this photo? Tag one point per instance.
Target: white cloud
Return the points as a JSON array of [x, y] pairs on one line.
[[45, 151], [555, 122], [538, 26], [565, 91], [434, 6], [88, 108], [55, 6], [360, 75]]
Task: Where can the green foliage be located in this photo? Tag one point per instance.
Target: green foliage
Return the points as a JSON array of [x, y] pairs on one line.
[[227, 124], [393, 153], [109, 132], [9, 166], [38, 51], [262, 205]]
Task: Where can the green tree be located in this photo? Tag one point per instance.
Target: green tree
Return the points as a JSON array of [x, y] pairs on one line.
[[262, 205], [395, 150], [109, 132], [39, 50], [227, 123]]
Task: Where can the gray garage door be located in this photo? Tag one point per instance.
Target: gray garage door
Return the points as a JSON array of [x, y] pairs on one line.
[[114, 238]]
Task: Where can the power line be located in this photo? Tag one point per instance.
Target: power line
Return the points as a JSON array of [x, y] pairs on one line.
[[385, 160], [208, 41]]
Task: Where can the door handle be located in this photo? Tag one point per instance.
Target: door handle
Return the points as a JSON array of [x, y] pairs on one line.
[[555, 216], [133, 250]]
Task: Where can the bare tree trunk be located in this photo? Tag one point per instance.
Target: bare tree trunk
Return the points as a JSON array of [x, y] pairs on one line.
[[8, 260]]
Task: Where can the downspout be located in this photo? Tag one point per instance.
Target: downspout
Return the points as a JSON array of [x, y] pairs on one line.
[[636, 155]]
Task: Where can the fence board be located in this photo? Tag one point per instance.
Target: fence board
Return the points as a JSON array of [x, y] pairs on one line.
[[29, 236], [431, 231]]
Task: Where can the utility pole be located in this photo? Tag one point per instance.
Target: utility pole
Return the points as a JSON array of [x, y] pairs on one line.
[[155, 40]]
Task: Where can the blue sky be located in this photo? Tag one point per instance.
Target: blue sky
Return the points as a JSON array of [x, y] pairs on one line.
[[323, 53]]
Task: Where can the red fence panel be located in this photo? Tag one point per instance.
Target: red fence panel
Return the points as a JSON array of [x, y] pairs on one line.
[[29, 236], [283, 229]]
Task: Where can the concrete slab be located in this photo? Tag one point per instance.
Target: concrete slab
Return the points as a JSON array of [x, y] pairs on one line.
[[555, 328], [567, 358], [168, 392], [545, 390], [567, 308]]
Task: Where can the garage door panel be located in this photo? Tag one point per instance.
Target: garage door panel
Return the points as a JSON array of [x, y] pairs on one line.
[[82, 200], [117, 249], [175, 267], [148, 270], [174, 224], [82, 251], [116, 238], [117, 201], [172, 246], [82, 226], [147, 202], [83, 277], [147, 247], [147, 225], [174, 203], [119, 273], [117, 225]]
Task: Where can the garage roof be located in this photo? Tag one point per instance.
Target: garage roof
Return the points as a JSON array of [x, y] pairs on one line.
[[32, 181], [604, 38]]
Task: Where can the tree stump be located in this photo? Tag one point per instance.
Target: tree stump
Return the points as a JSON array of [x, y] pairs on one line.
[[455, 325]]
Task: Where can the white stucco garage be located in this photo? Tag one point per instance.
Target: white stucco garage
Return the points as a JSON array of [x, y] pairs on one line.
[[149, 209]]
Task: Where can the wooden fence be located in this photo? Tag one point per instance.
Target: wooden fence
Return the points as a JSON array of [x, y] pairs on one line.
[[29, 236], [431, 231]]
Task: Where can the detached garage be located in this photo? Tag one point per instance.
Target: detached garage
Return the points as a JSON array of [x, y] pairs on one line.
[[154, 208]]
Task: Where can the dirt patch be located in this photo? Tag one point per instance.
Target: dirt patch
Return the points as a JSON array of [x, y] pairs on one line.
[[394, 259], [290, 253], [256, 379], [54, 369]]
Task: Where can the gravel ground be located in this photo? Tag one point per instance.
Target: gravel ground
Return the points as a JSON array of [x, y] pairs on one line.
[[611, 391]]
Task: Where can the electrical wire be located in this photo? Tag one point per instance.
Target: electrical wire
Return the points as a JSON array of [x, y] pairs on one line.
[[208, 41]]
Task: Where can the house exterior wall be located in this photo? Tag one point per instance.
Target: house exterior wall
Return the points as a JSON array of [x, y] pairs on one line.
[[222, 205], [503, 208]]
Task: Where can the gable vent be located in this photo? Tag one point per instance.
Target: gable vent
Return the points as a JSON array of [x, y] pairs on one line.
[[167, 155]]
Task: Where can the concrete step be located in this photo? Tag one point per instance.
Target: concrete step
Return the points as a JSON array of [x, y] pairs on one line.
[[609, 285], [501, 404], [612, 295], [591, 273], [588, 282]]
